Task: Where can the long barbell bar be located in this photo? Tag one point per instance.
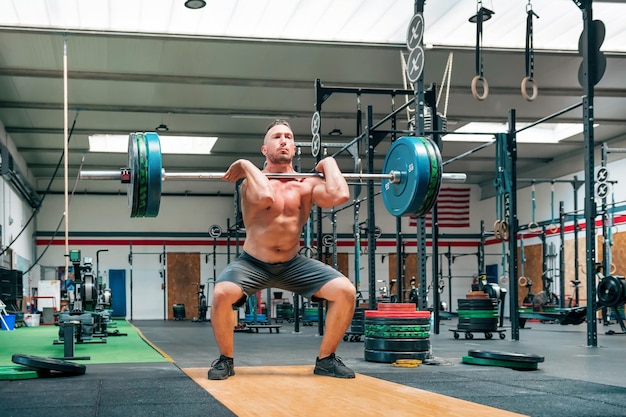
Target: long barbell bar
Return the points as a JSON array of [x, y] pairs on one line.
[[393, 176], [410, 182]]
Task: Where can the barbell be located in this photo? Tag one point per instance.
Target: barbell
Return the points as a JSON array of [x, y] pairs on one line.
[[411, 178]]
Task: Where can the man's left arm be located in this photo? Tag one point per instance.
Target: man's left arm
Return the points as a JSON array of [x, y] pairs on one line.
[[333, 190]]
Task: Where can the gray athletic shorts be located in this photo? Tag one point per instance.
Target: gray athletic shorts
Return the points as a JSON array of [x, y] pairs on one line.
[[302, 275]]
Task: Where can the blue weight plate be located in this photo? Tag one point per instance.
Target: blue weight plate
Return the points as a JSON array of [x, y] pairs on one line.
[[133, 164], [409, 156], [155, 174]]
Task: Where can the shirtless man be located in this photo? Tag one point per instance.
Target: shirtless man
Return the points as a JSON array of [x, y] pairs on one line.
[[274, 212]]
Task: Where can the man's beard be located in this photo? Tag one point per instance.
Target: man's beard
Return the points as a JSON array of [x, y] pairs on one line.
[[279, 158]]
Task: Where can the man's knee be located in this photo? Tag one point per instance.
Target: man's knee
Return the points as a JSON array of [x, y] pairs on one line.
[[339, 289], [227, 293]]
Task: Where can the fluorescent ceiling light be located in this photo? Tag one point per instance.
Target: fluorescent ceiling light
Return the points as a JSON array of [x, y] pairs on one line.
[[185, 145], [542, 133]]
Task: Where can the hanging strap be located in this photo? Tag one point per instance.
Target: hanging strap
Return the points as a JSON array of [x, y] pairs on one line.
[[552, 204], [529, 57], [530, 52], [534, 203], [522, 257], [611, 219], [479, 43], [479, 77]]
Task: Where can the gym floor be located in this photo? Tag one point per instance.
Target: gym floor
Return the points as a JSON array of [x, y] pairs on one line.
[[574, 380]]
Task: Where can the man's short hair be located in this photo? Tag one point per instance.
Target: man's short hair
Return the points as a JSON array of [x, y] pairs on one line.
[[277, 122]]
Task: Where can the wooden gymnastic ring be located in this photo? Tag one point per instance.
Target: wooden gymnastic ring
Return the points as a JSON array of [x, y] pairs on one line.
[[612, 269], [533, 85], [475, 81], [496, 230], [533, 227], [503, 280], [524, 282], [504, 230], [553, 228]]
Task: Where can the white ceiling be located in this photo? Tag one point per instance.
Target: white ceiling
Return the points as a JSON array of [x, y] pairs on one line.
[[362, 21], [228, 68]]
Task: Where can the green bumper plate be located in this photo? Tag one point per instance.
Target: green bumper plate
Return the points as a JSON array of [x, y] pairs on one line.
[[470, 360], [16, 372]]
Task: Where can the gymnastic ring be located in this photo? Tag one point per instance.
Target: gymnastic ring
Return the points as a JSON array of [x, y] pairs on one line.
[[553, 228], [583, 270], [533, 85], [496, 230], [475, 81], [533, 227], [504, 230], [308, 251], [612, 268], [503, 280]]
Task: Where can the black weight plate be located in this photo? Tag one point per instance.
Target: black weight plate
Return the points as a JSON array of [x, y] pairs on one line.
[[372, 355], [506, 356], [471, 327], [141, 187], [398, 345], [397, 321], [472, 320], [477, 314], [470, 360], [49, 364], [479, 325], [473, 301], [611, 291], [477, 303]]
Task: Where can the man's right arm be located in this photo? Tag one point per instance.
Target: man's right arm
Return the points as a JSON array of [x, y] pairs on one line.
[[256, 187]]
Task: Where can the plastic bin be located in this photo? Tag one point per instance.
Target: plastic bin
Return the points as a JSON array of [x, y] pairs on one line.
[[179, 311], [32, 320], [10, 322]]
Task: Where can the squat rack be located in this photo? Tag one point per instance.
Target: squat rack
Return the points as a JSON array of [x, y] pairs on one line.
[[589, 71]]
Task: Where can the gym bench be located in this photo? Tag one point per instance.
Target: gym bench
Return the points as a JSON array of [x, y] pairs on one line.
[[270, 327]]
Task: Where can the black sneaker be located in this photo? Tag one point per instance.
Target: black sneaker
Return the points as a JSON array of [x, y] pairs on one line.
[[222, 368], [332, 366]]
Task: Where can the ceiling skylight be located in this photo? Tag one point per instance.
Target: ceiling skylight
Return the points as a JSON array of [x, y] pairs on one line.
[[184, 145], [366, 21], [543, 133]]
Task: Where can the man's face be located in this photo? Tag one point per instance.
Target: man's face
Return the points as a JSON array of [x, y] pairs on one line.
[[279, 146]]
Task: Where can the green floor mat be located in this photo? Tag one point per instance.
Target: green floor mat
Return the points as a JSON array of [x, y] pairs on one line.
[[38, 341], [17, 372]]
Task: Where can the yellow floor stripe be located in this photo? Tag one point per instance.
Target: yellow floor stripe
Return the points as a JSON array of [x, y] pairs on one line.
[[295, 391], [152, 345]]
